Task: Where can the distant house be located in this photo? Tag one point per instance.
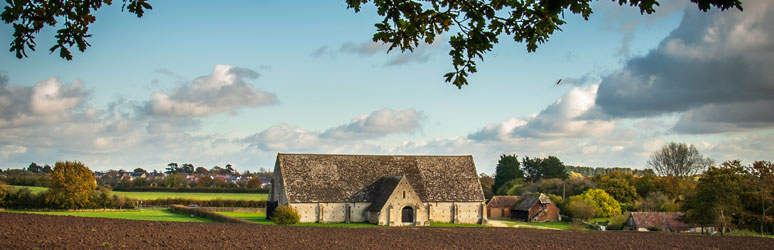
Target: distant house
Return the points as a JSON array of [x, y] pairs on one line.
[[265, 182], [535, 208], [500, 206], [667, 221], [138, 175]]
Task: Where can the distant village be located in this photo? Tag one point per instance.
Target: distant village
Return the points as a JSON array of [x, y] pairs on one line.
[[174, 176]]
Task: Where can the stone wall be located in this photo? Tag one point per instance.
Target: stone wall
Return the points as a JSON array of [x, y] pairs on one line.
[[402, 196], [467, 212], [332, 212], [457, 212], [278, 187]]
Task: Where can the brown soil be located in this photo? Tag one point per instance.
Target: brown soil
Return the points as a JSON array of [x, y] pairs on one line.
[[30, 231]]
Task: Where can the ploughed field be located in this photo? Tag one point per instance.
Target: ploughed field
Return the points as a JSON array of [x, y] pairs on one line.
[[34, 231]]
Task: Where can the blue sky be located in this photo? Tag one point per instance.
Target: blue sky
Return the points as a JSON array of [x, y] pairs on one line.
[[238, 81]]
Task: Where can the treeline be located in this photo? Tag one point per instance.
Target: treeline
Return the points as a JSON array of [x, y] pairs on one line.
[[590, 171], [72, 186], [32, 176], [728, 197], [24, 198], [190, 189]]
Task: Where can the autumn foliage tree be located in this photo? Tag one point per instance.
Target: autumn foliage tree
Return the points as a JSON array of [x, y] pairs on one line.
[[3, 193], [619, 186], [72, 185], [603, 203]]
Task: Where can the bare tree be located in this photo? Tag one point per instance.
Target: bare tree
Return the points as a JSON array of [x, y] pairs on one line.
[[678, 159]]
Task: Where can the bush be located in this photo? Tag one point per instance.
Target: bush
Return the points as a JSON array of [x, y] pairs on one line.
[[580, 209], [285, 215], [617, 222], [191, 189], [196, 211], [4, 190], [206, 203]]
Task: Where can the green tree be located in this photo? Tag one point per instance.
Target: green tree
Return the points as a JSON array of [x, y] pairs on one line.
[[604, 204], [657, 202], [230, 169], [72, 185], [645, 184], [479, 23], [580, 209], [762, 183], [508, 168], [544, 168], [34, 167], [512, 187], [174, 180], [172, 168], [187, 168], [678, 159], [717, 194], [619, 186], [139, 170]]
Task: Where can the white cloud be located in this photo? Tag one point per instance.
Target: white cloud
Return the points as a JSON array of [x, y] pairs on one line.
[[378, 124], [223, 91], [563, 118], [45, 102], [7, 151]]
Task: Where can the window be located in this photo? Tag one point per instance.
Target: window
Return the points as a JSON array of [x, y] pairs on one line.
[[404, 195]]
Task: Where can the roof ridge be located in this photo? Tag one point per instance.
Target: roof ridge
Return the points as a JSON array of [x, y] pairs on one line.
[[379, 155]]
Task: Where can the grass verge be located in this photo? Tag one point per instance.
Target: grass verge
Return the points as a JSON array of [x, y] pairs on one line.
[[142, 214], [174, 195]]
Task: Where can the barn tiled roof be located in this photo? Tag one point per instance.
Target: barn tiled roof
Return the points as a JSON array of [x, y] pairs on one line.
[[503, 201], [352, 178], [527, 201], [384, 188], [665, 220]]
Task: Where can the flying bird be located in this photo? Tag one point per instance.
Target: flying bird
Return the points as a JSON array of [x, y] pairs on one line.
[[557, 82]]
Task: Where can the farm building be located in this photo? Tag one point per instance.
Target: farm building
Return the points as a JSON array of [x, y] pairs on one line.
[[500, 206], [667, 221], [535, 208], [386, 190]]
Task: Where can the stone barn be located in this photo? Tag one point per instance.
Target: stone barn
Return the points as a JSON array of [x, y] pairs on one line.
[[535, 208], [391, 190], [500, 206]]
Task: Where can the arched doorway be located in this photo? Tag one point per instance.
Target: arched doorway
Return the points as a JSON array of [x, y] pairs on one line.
[[408, 215]]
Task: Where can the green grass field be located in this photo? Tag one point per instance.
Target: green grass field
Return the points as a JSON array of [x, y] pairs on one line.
[[164, 195], [257, 217], [143, 214]]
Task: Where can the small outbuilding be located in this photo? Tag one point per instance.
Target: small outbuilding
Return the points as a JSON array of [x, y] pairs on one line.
[[500, 206], [535, 208], [666, 221]]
